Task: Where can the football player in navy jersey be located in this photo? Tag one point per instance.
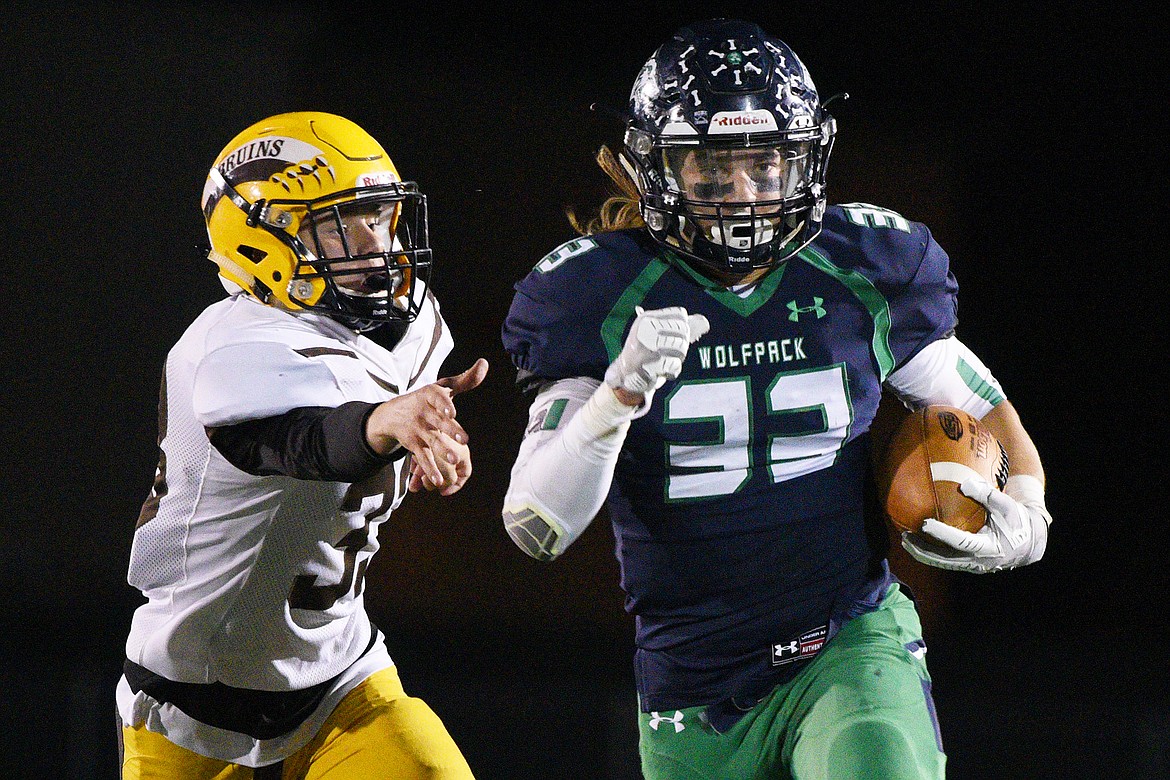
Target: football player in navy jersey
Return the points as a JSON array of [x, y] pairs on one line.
[[707, 360], [295, 415]]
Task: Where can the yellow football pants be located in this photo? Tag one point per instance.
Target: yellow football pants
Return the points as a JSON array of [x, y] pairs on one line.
[[377, 732]]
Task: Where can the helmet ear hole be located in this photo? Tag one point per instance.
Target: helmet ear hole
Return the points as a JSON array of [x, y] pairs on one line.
[[252, 253], [262, 291]]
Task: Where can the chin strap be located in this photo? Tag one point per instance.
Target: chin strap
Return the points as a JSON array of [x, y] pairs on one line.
[[231, 266]]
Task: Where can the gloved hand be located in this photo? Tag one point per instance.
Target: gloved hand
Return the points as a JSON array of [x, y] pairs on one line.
[[655, 349], [1016, 532]]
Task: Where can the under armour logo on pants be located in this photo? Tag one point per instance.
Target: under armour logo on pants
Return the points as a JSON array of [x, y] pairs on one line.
[[676, 721]]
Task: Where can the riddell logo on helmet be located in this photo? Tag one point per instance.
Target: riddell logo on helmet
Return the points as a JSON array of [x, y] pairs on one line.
[[756, 121], [733, 121], [376, 179]]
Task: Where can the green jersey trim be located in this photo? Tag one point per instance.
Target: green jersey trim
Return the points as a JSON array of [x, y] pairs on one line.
[[875, 303], [614, 324], [742, 305]]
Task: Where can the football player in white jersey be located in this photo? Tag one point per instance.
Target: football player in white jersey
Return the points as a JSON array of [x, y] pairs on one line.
[[294, 416]]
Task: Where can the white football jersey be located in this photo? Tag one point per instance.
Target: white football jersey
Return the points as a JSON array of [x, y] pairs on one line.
[[257, 582]]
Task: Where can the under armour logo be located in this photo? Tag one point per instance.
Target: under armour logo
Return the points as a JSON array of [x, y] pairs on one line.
[[803, 647], [658, 718], [816, 308]]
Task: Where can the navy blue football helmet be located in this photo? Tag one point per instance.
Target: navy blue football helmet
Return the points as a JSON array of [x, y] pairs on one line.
[[728, 142]]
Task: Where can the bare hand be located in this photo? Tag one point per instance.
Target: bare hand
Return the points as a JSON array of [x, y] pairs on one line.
[[455, 472], [423, 421], [468, 380]]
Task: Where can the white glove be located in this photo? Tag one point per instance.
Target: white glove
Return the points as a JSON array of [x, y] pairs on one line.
[[1016, 532], [655, 349]]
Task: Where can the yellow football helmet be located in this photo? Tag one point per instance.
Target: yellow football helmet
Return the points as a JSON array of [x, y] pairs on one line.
[[281, 184]]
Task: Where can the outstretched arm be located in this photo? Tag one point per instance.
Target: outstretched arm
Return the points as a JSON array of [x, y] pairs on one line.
[[423, 422]]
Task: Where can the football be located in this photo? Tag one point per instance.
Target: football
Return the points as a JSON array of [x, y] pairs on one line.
[[930, 452]]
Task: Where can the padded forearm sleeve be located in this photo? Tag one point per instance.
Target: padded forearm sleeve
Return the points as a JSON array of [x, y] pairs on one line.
[[565, 464]]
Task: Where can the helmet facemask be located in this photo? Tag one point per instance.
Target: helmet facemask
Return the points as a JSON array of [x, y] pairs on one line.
[[369, 248], [728, 143], [732, 208]]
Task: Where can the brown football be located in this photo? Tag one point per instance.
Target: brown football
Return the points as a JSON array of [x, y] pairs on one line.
[[930, 453]]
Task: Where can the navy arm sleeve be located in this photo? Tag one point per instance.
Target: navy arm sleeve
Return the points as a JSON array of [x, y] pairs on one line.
[[314, 442]]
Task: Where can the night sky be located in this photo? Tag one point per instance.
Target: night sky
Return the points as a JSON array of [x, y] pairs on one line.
[[1029, 143]]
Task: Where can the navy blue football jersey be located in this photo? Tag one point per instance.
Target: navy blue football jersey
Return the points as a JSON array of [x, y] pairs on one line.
[[738, 501]]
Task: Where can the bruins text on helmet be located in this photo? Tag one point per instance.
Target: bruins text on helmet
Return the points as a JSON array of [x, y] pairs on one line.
[[719, 94], [281, 201]]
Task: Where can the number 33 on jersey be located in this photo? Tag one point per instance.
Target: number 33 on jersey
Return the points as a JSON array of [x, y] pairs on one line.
[[789, 376]]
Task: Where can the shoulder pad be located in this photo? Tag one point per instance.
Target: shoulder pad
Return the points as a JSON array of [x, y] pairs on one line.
[[553, 328], [881, 244], [425, 346], [251, 381]]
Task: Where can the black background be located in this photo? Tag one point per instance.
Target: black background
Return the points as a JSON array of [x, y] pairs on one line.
[[1031, 142]]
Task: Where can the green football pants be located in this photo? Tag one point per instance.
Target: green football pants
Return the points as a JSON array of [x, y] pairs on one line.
[[861, 709]]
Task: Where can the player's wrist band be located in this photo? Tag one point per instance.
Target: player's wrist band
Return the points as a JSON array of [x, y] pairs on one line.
[[598, 429]]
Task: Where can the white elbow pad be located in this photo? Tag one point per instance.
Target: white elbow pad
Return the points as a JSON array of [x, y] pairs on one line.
[[536, 531], [947, 372]]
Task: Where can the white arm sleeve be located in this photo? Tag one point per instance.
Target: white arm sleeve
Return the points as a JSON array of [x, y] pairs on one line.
[[947, 372], [576, 428]]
